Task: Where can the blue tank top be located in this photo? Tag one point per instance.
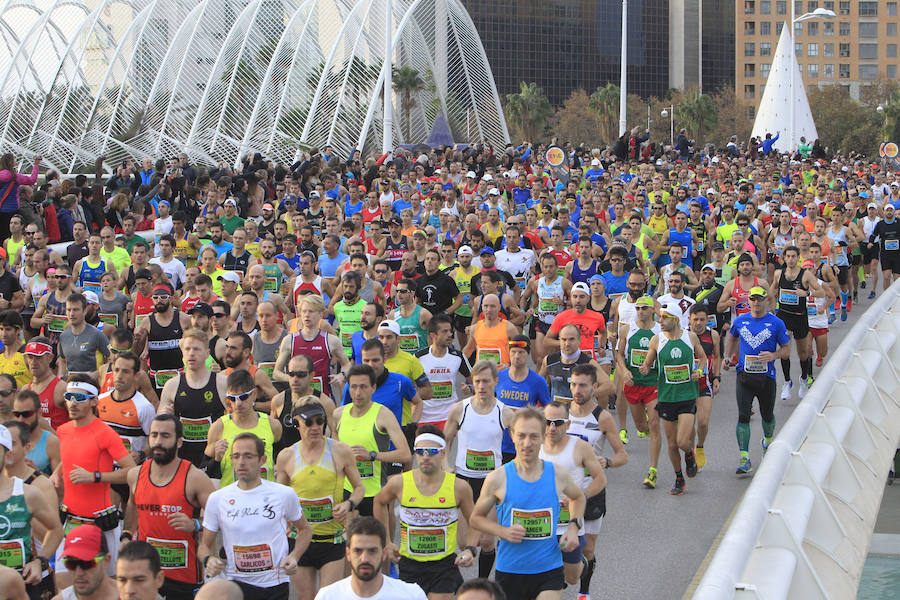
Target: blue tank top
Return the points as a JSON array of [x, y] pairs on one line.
[[534, 505], [89, 277], [685, 239], [615, 284], [585, 274], [349, 209], [38, 454]]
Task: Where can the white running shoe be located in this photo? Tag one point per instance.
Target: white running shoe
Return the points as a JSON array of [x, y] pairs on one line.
[[786, 390], [802, 388]]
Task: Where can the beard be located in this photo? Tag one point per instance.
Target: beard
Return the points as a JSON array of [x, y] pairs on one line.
[[232, 363], [167, 455], [367, 576], [160, 308]]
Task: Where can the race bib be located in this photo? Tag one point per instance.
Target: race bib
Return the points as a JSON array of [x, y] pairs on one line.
[[409, 342], [196, 430], [138, 319], [700, 246], [638, 356], [520, 281], [161, 377], [58, 323], [366, 468], [271, 284], [892, 244], [491, 354], [427, 541], [677, 373], [316, 385], [442, 390], [538, 523], [269, 368], [91, 286], [564, 516], [253, 559], [317, 510], [712, 322], [788, 297], [753, 364], [72, 522], [12, 554], [172, 553], [548, 305], [839, 250], [346, 339], [109, 318], [563, 399], [618, 296], [480, 460], [811, 310]]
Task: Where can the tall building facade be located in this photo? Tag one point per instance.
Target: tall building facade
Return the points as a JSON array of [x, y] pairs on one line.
[[852, 50]]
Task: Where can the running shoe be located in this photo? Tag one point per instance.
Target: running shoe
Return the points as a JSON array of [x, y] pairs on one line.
[[818, 361], [650, 479], [850, 303], [690, 465], [678, 488], [831, 318], [855, 297], [843, 313], [643, 434], [700, 455], [584, 597], [765, 446], [862, 284], [872, 295], [809, 381], [623, 435], [786, 390], [801, 388], [744, 468]]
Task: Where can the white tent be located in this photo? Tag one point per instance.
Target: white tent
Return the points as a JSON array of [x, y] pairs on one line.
[[774, 114]]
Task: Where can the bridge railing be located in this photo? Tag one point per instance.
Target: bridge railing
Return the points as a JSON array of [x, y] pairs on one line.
[[803, 527]]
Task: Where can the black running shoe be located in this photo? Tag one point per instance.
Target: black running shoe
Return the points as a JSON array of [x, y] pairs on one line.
[[690, 463], [678, 490]]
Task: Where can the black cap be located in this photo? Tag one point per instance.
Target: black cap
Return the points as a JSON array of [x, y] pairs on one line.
[[143, 274], [201, 307], [308, 410], [718, 246]]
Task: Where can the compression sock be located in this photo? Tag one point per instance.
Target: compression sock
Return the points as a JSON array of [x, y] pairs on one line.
[[743, 436], [786, 368], [844, 297], [809, 366], [586, 574], [768, 428], [803, 372], [486, 563]]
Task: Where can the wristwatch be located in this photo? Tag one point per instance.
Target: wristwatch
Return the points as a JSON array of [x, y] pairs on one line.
[[96, 476], [372, 455], [45, 562], [577, 523], [471, 549]]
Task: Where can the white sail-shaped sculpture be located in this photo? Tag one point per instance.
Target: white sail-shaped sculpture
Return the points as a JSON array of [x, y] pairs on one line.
[[774, 114]]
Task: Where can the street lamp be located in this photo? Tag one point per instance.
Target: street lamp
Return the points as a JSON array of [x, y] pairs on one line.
[[819, 13], [623, 91], [670, 112]]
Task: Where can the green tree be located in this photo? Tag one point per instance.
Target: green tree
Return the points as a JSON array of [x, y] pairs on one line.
[[696, 113], [529, 110], [844, 125], [605, 104], [407, 82], [576, 122]]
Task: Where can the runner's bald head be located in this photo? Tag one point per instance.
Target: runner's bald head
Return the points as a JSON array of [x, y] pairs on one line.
[[219, 589]]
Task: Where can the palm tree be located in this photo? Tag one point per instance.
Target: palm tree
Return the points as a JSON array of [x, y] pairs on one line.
[[407, 82], [892, 116], [605, 102], [696, 112], [529, 110]]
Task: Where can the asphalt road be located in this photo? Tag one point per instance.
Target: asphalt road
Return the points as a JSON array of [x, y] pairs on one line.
[[652, 543]]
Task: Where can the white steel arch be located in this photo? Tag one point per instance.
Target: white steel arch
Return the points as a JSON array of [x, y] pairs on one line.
[[218, 79]]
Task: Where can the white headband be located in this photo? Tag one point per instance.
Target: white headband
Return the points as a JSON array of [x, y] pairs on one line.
[[83, 386], [430, 437]]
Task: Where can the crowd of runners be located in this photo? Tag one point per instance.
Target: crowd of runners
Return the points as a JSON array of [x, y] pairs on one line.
[[349, 378]]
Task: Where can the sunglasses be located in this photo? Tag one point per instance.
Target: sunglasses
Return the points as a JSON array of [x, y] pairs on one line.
[[85, 565], [63, 276], [30, 232], [6, 393], [518, 344], [319, 421], [219, 315], [557, 422], [399, 291], [118, 351], [426, 451], [25, 414], [238, 397], [77, 397], [380, 272], [300, 374], [162, 297]]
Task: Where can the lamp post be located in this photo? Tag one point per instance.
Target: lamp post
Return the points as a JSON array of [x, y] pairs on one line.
[[670, 112], [819, 13], [623, 92], [387, 138]]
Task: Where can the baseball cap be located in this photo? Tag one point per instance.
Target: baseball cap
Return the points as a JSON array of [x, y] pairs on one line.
[[582, 287], [718, 246], [308, 411], [494, 192], [268, 206], [487, 177], [644, 300], [758, 291], [231, 276], [231, 202], [709, 266], [38, 349], [673, 309], [391, 326], [5, 438], [91, 297], [595, 162], [872, 205], [471, 174], [83, 543], [808, 264], [464, 250], [597, 277], [487, 250], [201, 307], [395, 221], [445, 211], [143, 274]]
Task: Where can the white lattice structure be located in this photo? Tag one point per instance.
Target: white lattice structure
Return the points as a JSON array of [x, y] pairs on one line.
[[221, 78]]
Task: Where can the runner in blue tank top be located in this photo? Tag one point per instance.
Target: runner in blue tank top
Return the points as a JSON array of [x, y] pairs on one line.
[[526, 495], [681, 234]]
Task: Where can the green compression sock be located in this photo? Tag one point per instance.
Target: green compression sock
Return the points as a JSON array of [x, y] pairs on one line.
[[743, 436]]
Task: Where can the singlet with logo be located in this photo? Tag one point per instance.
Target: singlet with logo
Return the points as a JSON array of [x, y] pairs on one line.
[[262, 430], [274, 278], [320, 354], [839, 245], [561, 372], [565, 459], [236, 263], [742, 296], [675, 363], [394, 251], [428, 524], [143, 308], [481, 435], [15, 537], [197, 409], [154, 503], [363, 431], [57, 415], [442, 373], [129, 418], [348, 318], [163, 349], [636, 348], [59, 320], [789, 300], [464, 285], [265, 354], [89, 275], [412, 337], [547, 305], [319, 488]]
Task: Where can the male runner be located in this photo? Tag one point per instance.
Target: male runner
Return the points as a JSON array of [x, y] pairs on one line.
[[161, 333], [443, 364], [139, 572], [45, 383], [174, 483], [710, 381], [80, 342], [299, 393], [125, 409], [88, 557], [43, 447], [411, 317], [557, 366], [348, 309]]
